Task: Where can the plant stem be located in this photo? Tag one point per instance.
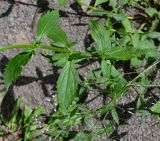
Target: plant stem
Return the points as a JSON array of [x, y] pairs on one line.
[[112, 103], [138, 76], [52, 48], [86, 5], [16, 46]]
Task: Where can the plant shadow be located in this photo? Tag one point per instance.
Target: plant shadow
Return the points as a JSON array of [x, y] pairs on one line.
[[43, 81]]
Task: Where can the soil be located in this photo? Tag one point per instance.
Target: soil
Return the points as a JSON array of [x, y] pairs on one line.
[[35, 85]]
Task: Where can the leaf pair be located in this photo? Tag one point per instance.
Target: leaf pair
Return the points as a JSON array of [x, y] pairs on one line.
[[101, 36], [110, 51], [156, 107], [48, 25]]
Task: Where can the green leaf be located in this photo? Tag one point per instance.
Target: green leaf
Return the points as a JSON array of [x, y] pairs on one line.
[[36, 133], [148, 48], [110, 72], [113, 3], [67, 85], [139, 103], [135, 39], [83, 137], [38, 111], [156, 107], [94, 75], [58, 59], [14, 67], [78, 56], [22, 46], [135, 62], [48, 25], [100, 35], [107, 129], [27, 133], [144, 44], [115, 115], [123, 2], [2, 132], [106, 108], [127, 25], [100, 2], [143, 112], [63, 2], [106, 69], [151, 11], [13, 116], [154, 35], [119, 17], [122, 53], [26, 113], [58, 36], [99, 12]]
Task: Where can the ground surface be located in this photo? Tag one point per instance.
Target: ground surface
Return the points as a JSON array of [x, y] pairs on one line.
[[36, 82]]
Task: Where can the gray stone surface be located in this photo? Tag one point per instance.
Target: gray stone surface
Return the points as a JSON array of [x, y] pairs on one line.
[[38, 76]]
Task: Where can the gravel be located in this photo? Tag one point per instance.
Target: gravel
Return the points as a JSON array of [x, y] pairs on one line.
[[35, 84]]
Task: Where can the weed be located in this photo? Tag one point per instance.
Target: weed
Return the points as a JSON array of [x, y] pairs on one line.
[[113, 44]]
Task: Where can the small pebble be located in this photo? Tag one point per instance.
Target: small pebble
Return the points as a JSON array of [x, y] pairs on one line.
[[48, 99], [55, 110]]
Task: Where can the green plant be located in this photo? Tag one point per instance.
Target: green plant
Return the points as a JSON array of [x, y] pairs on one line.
[[113, 44], [22, 125]]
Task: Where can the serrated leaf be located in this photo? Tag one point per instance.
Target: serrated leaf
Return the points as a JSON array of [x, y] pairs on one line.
[[122, 53], [127, 25], [110, 72], [58, 59], [145, 45], [151, 11], [48, 25], [14, 67], [156, 107], [67, 86], [58, 36], [100, 35]]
